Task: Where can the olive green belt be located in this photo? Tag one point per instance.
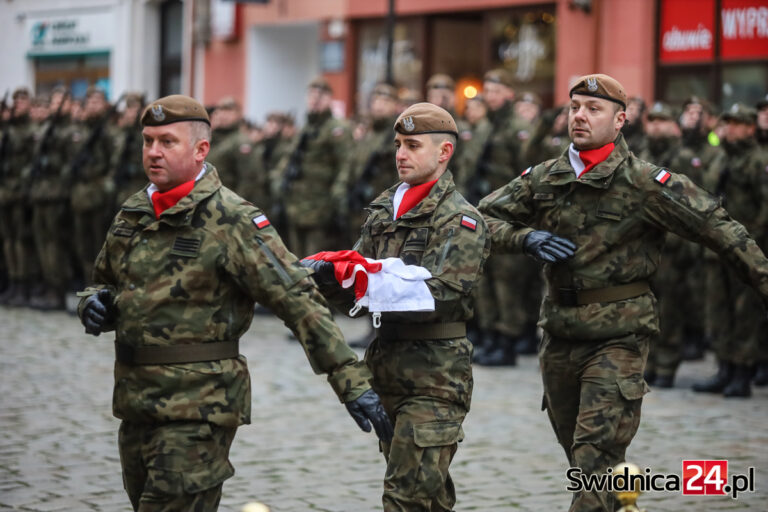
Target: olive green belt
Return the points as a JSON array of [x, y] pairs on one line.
[[576, 297], [176, 354], [439, 331]]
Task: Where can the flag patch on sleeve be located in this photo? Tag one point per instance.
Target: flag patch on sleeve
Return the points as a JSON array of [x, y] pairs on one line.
[[526, 172], [469, 222], [261, 221], [663, 176]]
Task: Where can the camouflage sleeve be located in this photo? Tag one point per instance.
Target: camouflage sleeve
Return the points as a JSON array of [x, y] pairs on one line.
[[508, 212], [678, 205], [262, 266]]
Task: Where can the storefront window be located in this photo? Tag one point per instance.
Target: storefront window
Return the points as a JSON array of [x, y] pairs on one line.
[[372, 57], [747, 83], [76, 72], [523, 42]]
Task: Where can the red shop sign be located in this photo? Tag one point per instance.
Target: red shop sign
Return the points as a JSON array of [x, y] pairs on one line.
[[744, 31], [687, 31]]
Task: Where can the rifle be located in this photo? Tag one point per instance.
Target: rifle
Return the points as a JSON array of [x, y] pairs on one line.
[[292, 173], [84, 154], [480, 187], [40, 165]]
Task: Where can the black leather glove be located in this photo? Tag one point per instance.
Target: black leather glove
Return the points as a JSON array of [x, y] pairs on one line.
[[367, 409], [324, 274], [98, 312], [548, 248]]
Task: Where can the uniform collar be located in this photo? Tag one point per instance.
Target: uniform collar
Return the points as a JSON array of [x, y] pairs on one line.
[[562, 173], [426, 206]]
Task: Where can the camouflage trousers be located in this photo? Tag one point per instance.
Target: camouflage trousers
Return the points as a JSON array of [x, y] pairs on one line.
[[18, 242], [90, 232], [593, 393], [169, 467], [49, 227], [508, 294], [736, 318], [427, 431]]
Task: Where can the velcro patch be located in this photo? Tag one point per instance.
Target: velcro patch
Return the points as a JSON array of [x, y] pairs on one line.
[[468, 222], [186, 247], [663, 176], [121, 231], [261, 221], [526, 172]]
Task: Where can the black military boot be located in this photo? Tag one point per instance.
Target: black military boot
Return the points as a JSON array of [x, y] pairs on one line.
[[484, 344], [664, 381], [504, 351], [716, 383], [20, 296], [8, 292], [527, 343], [693, 349], [741, 382], [761, 375], [49, 300]]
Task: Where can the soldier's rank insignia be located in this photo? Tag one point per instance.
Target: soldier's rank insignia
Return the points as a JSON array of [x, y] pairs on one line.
[[408, 123], [663, 176], [468, 222]]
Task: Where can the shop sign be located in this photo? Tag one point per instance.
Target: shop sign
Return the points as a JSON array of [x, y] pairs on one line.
[[91, 32], [744, 29], [687, 31]]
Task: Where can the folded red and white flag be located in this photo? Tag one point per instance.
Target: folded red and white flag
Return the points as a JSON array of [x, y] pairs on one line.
[[381, 285]]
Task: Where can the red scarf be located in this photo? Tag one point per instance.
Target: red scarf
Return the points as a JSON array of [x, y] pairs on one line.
[[592, 157], [413, 196], [161, 201]]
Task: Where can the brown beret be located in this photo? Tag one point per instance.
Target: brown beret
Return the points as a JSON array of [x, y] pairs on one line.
[[499, 76], [320, 83], [600, 86], [174, 109], [441, 81], [740, 113], [425, 118], [384, 89], [661, 111]]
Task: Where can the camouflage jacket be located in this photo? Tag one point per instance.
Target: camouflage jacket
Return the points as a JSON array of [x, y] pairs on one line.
[[51, 182], [472, 142], [306, 174], [617, 215], [89, 170], [192, 276], [231, 149], [126, 166], [18, 139], [254, 182]]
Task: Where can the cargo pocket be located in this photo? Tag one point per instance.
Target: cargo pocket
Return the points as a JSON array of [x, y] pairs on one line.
[[437, 433], [163, 484], [435, 447], [633, 387]]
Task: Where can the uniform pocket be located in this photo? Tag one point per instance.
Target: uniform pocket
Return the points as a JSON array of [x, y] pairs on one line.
[[437, 433], [633, 387]]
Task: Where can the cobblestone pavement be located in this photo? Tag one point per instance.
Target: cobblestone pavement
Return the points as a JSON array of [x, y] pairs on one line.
[[302, 452]]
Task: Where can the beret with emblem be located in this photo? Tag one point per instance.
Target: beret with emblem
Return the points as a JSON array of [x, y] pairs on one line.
[[441, 81], [661, 111], [499, 76], [385, 89], [600, 86], [740, 113], [425, 118], [174, 109], [320, 83]]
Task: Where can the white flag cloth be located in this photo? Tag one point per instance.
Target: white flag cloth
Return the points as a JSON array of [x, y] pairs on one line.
[[397, 287]]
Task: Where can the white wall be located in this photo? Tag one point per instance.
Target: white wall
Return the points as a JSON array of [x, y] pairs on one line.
[[281, 61], [135, 51]]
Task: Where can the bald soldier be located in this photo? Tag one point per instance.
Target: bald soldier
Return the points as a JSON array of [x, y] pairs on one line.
[[184, 262], [596, 219], [421, 358]]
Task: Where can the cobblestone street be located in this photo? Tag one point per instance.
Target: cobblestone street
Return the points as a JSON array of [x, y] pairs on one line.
[[303, 452]]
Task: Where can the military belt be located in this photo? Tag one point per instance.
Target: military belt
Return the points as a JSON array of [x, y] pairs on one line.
[[440, 331], [176, 354], [576, 297]]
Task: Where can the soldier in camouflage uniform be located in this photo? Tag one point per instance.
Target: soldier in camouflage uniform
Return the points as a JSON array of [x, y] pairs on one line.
[[441, 91], [550, 137], [306, 175], [231, 149], [739, 323], [255, 185], [634, 129], [49, 194], [183, 264], [596, 217], [15, 208], [126, 166], [761, 131], [93, 189], [421, 361], [505, 318], [368, 170]]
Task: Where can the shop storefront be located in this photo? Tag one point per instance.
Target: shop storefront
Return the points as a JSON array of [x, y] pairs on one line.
[[464, 46], [717, 49], [71, 50]]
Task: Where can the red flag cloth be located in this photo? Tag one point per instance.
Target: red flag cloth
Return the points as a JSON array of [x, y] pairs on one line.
[[161, 201], [413, 196], [345, 267], [592, 157]]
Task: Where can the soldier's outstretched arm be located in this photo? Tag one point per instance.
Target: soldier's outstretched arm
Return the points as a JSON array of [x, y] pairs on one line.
[[508, 213], [676, 204]]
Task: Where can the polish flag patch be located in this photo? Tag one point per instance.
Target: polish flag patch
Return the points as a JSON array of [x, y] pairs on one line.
[[261, 221], [526, 172], [468, 222], [663, 176]]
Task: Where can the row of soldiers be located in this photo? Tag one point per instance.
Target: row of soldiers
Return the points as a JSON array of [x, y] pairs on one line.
[[67, 168]]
